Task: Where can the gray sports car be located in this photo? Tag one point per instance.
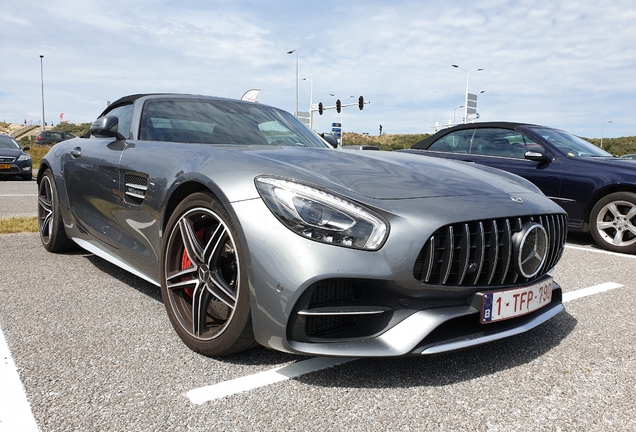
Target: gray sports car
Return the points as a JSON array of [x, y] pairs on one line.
[[257, 231]]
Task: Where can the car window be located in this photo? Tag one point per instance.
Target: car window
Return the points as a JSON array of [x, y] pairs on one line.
[[570, 144], [124, 115], [215, 121], [502, 142], [455, 142]]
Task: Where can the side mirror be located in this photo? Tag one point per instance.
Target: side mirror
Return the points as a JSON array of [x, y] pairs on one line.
[[103, 127], [331, 140], [26, 148], [537, 156]]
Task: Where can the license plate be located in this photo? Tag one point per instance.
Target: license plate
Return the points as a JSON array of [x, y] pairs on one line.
[[502, 305], [5, 166]]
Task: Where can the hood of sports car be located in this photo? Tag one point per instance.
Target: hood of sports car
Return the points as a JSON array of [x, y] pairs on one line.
[[392, 175]]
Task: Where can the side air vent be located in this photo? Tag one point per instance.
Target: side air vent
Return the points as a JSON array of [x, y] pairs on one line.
[[135, 187]]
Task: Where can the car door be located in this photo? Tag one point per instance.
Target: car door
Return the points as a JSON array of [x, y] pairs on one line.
[[93, 181], [503, 149], [91, 173]]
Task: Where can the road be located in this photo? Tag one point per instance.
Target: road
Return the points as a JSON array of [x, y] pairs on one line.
[[18, 198], [94, 351]]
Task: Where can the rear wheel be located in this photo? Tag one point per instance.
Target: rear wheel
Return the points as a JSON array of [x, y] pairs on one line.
[[613, 222], [204, 282], [50, 223]]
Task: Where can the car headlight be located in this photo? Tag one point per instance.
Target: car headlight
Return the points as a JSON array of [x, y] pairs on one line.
[[322, 216], [24, 157]]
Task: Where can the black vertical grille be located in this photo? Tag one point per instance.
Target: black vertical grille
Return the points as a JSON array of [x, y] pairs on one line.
[[479, 253]]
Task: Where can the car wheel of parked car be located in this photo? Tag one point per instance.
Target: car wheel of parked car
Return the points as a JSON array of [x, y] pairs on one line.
[[204, 281], [613, 222], [50, 222]]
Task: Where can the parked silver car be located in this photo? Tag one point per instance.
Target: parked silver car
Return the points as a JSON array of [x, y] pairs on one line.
[[295, 245]]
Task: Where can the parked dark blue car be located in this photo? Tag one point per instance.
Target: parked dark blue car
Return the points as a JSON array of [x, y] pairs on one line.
[[597, 190], [13, 159]]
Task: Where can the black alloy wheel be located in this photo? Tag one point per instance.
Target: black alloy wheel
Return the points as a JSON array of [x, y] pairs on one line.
[[50, 223], [204, 284]]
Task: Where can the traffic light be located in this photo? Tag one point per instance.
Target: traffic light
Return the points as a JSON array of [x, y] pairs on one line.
[[360, 103], [338, 106], [320, 108]]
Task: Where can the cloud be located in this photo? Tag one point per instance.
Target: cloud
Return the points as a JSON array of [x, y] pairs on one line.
[[565, 64]]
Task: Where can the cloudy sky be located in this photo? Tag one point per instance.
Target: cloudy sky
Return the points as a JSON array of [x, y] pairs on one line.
[[569, 64]]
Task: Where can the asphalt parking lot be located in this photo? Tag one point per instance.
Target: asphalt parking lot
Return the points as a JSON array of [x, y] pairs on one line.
[[94, 350]]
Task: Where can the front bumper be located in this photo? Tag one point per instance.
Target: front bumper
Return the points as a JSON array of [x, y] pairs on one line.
[[378, 307], [17, 169]]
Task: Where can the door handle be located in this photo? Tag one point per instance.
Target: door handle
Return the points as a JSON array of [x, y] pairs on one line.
[[76, 152]]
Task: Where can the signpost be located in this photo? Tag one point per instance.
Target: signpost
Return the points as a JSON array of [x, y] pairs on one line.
[[471, 107], [336, 130]]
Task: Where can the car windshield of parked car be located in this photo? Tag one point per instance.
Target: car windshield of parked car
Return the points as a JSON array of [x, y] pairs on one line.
[[213, 121], [8, 143], [570, 144]]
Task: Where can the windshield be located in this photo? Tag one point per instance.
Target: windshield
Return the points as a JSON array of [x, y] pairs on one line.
[[219, 121], [8, 142], [570, 144]]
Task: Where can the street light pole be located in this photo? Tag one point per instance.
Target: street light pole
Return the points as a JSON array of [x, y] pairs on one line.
[[291, 52], [466, 103], [42, 81], [311, 102], [455, 111], [602, 128]]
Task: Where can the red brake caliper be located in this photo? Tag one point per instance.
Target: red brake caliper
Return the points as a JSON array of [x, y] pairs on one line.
[[185, 262]]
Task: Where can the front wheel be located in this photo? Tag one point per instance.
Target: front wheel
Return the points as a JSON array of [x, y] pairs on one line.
[[613, 222], [204, 281]]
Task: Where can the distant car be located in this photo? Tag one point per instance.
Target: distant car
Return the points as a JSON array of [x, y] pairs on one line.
[[53, 137], [361, 147], [629, 156], [257, 230], [13, 159], [597, 189]]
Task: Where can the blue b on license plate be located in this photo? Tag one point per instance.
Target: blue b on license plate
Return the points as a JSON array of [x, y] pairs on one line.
[[501, 305]]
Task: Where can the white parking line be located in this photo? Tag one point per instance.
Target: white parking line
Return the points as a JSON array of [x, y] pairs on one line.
[[227, 388], [616, 254], [15, 410], [261, 379], [584, 292]]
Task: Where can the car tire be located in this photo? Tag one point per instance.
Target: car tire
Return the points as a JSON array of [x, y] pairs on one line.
[[204, 280], [613, 222], [50, 223]]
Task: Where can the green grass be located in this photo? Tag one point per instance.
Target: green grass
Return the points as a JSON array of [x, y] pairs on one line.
[[37, 152], [19, 225]]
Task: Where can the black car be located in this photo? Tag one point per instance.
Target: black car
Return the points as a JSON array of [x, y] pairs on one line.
[[13, 159], [53, 137], [597, 190]]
